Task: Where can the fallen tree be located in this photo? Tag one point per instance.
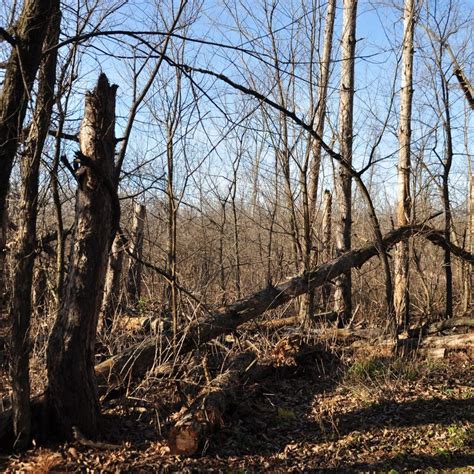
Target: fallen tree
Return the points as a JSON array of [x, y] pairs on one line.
[[138, 359], [133, 363]]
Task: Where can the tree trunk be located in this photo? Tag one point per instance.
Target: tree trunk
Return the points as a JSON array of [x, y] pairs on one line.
[[111, 300], [447, 163], [40, 290], [25, 241], [21, 69], [342, 296], [3, 260], [71, 393], [326, 241], [469, 273], [401, 261], [307, 304], [136, 248]]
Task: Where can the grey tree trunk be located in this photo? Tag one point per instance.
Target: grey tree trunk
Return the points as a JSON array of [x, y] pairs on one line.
[[136, 248], [307, 300], [71, 394], [342, 296], [326, 241], [25, 241], [469, 279], [111, 300], [401, 261]]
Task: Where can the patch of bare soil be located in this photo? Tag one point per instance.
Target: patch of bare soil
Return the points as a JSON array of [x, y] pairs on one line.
[[370, 413]]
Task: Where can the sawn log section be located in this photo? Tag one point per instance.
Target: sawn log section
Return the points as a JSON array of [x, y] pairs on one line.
[[138, 359]]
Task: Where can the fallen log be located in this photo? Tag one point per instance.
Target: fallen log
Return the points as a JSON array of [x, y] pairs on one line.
[[440, 326], [113, 374], [204, 416], [138, 359]]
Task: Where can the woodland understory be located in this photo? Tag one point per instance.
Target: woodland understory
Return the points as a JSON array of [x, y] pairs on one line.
[[236, 236]]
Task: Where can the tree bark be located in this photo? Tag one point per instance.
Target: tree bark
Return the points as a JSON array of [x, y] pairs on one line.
[[111, 300], [326, 241], [21, 69], [71, 393], [136, 248], [401, 261], [3, 259], [343, 185], [25, 241], [307, 303]]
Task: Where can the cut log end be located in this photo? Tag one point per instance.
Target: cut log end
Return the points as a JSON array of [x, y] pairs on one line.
[[184, 439]]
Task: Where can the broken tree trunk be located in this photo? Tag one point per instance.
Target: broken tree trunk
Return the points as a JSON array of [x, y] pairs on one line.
[[138, 359], [343, 179], [401, 260], [111, 300], [72, 394], [435, 347], [136, 249]]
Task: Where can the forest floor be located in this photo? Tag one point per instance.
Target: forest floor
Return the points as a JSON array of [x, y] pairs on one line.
[[359, 411]]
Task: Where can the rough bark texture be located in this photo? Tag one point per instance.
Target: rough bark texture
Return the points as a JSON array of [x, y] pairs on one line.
[[136, 248], [401, 281], [342, 296], [111, 300], [72, 394], [25, 241], [3, 259], [20, 74], [137, 360]]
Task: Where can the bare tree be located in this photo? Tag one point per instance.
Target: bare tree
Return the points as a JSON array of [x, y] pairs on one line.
[[21, 69], [401, 268], [25, 239], [342, 296], [318, 113]]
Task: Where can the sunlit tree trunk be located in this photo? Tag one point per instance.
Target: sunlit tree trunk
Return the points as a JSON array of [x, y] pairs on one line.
[[310, 197], [326, 241], [401, 261], [343, 297]]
